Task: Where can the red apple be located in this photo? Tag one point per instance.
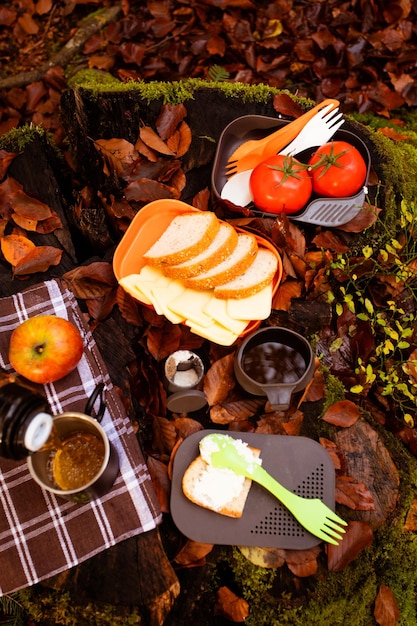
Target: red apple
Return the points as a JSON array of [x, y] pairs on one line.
[[45, 348]]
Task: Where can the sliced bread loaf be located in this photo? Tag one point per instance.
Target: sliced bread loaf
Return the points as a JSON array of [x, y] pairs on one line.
[[235, 264], [187, 235], [222, 245], [258, 275], [218, 490]]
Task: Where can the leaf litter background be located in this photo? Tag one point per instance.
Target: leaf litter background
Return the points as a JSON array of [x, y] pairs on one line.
[[358, 52]]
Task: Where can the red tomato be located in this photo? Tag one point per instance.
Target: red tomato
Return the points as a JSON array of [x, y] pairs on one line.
[[337, 169], [280, 184]]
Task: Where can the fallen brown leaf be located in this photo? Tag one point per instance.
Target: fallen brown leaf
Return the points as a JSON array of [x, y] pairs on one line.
[[192, 552], [392, 133], [147, 190], [28, 207], [186, 426], [411, 520], [146, 151], [302, 563], [286, 291], [119, 156], [332, 451], [15, 248], [167, 433], [264, 557], [286, 106], [237, 411], [39, 259], [353, 494], [152, 139], [91, 281], [219, 380], [317, 387], [343, 413], [168, 120], [180, 141], [128, 307], [160, 481], [201, 199], [230, 606], [163, 340], [100, 308], [364, 219], [49, 225], [386, 611], [5, 159], [358, 536]]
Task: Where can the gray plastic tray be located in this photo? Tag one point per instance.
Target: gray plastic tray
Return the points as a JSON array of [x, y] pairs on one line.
[[320, 211], [300, 464]]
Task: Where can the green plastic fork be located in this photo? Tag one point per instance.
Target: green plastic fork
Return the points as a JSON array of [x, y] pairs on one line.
[[222, 452]]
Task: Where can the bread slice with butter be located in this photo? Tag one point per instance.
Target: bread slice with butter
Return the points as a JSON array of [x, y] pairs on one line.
[[218, 490], [186, 236]]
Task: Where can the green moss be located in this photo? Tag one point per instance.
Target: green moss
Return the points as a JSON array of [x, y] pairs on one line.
[[334, 598], [334, 390], [57, 608], [96, 81], [176, 91], [18, 138]]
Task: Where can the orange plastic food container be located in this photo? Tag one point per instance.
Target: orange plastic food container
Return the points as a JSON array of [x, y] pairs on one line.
[[146, 228]]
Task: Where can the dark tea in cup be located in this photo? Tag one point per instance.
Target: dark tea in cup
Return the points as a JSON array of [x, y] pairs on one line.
[[275, 362]]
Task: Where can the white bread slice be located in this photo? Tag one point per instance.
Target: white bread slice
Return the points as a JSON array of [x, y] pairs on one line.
[[235, 264], [222, 245], [195, 477], [259, 274], [187, 235]]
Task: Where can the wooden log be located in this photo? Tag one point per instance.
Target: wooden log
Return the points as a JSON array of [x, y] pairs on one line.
[[135, 572], [305, 317], [152, 582], [369, 462]]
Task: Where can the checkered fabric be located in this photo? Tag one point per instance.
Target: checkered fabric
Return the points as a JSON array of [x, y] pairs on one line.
[[41, 535]]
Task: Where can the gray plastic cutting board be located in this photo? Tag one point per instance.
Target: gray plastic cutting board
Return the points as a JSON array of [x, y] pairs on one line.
[[300, 464]]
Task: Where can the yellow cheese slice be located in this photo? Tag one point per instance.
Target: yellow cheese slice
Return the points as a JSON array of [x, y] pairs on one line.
[[220, 321], [162, 296], [130, 284], [217, 309], [147, 287], [150, 273], [215, 332], [190, 305], [256, 307]]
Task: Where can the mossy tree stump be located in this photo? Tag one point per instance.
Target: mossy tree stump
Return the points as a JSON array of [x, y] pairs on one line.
[[93, 111]]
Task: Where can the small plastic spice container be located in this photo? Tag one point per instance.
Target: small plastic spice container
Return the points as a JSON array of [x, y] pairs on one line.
[[183, 376]]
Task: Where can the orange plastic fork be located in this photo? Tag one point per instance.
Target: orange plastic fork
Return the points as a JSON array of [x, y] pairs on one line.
[[248, 153]]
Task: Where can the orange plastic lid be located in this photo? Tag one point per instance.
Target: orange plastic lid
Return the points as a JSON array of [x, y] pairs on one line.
[[146, 228]]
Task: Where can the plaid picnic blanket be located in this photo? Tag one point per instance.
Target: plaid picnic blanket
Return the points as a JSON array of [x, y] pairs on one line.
[[41, 535]]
